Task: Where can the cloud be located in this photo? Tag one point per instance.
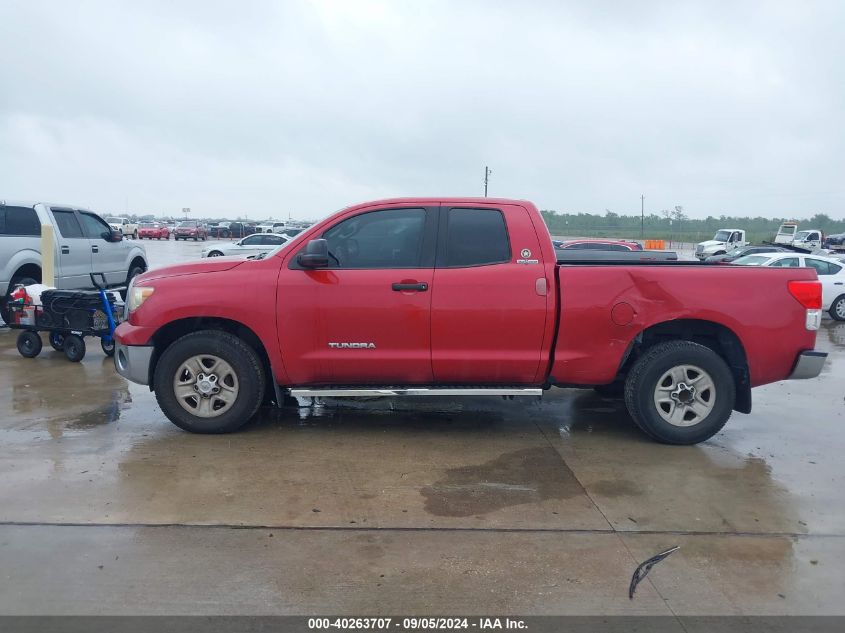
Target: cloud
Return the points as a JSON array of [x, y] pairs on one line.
[[304, 107]]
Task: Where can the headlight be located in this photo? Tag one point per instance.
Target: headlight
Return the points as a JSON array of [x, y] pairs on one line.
[[135, 296]]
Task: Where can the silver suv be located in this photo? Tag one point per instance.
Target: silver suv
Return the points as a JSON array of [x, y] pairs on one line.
[[83, 243]]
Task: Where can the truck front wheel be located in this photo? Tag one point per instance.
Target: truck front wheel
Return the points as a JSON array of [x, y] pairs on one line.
[[209, 382], [680, 392]]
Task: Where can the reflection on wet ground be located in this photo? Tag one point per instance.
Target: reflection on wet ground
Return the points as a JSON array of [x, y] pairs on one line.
[[751, 509]]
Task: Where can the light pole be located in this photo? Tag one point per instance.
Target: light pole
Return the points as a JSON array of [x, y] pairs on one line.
[[487, 172], [642, 217]]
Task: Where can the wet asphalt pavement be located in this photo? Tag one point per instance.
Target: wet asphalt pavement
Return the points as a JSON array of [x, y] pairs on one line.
[[426, 506]]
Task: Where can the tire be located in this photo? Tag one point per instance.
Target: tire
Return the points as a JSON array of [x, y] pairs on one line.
[[74, 348], [837, 308], [242, 378], [29, 344], [225, 234], [215, 254], [57, 341], [666, 369], [195, 238], [107, 347], [133, 272], [4, 310]]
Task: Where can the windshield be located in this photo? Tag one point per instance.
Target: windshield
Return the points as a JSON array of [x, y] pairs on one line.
[[148, 225], [753, 260], [802, 235], [189, 223], [722, 236], [114, 220]]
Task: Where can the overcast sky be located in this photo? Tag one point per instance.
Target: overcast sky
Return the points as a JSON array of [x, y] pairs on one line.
[[276, 108]]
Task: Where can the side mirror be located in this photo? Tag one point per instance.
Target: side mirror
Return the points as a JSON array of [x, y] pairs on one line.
[[316, 255], [112, 236]]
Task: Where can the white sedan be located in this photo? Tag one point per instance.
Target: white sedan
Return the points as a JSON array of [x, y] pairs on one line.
[[831, 274], [254, 244]]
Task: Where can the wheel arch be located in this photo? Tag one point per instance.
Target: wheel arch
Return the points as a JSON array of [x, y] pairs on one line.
[[139, 261], [718, 337], [168, 334], [29, 269]]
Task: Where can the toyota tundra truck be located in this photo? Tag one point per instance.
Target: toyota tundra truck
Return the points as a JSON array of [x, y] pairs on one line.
[[463, 297]]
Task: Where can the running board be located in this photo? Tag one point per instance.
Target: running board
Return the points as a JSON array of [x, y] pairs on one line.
[[415, 391]]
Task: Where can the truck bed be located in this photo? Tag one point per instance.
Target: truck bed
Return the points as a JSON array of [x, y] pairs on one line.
[[577, 256]]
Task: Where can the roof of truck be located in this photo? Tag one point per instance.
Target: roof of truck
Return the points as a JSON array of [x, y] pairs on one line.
[[441, 199]]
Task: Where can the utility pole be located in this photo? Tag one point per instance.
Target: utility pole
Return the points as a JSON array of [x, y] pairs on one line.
[[642, 217], [487, 172]]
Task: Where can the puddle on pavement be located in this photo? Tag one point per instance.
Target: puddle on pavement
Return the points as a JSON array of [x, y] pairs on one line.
[[835, 333], [529, 475], [107, 414]]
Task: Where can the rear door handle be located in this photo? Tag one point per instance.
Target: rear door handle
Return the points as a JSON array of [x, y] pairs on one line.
[[419, 287], [65, 250], [95, 248]]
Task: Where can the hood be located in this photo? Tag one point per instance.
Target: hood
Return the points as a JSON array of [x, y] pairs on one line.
[[213, 265], [710, 243]]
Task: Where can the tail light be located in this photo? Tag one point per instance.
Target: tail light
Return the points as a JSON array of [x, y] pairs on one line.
[[809, 295]]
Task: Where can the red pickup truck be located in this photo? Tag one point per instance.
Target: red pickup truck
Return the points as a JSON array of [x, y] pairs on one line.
[[463, 296]]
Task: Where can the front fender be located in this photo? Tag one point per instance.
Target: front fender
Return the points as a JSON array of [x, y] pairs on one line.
[[21, 258]]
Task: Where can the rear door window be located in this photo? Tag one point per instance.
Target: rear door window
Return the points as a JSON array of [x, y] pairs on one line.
[[67, 223], [20, 221], [822, 267], [476, 237]]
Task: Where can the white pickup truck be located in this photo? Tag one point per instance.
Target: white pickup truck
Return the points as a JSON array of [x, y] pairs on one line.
[[83, 243], [807, 240], [722, 243], [124, 226]]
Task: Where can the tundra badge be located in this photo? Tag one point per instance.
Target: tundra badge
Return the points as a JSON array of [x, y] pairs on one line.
[[352, 345]]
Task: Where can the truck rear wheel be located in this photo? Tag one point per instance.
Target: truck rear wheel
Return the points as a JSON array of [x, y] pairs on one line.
[[680, 392], [209, 382], [26, 280]]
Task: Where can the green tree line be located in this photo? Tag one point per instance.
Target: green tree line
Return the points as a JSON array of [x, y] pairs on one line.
[[681, 228]]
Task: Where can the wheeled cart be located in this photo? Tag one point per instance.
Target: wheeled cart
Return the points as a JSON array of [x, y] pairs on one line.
[[69, 316]]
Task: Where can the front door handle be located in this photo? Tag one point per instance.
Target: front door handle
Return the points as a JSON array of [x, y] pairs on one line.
[[95, 248], [65, 250], [419, 287]]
